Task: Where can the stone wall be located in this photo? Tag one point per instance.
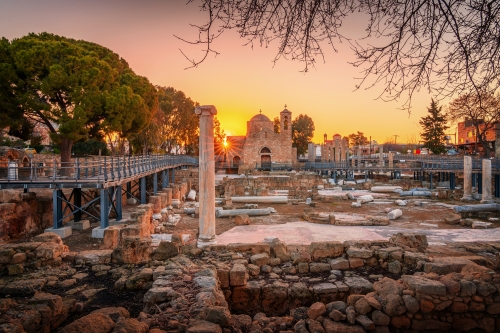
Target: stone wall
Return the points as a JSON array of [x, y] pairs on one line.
[[323, 284], [23, 213], [297, 185], [190, 176]]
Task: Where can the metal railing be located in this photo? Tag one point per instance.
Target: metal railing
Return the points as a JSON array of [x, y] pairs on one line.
[[95, 169]]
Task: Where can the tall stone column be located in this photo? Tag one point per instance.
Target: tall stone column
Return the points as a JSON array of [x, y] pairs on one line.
[[486, 196], [381, 155], [467, 178], [343, 155], [337, 151], [207, 175], [311, 152], [359, 157]]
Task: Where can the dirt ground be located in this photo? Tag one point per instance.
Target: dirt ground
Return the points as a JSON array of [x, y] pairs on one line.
[[413, 215]]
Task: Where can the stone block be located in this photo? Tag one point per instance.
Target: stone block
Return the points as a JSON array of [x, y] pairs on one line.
[[98, 232], [61, 232], [6, 256], [15, 269], [356, 263], [339, 263], [354, 252], [358, 285], [260, 259], [165, 250], [424, 285], [238, 276], [49, 251], [320, 250], [410, 240], [275, 298], [318, 267], [110, 238], [242, 219], [136, 250], [18, 258], [80, 225], [93, 257], [246, 297]]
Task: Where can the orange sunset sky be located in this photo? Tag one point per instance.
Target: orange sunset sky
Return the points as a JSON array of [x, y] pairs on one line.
[[239, 81]]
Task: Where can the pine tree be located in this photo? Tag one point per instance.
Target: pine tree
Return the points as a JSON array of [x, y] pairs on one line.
[[434, 126]]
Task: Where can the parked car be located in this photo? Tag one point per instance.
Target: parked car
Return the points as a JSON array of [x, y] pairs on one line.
[[452, 152]]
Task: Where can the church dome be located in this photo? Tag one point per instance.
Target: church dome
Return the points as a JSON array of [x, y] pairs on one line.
[[259, 117]]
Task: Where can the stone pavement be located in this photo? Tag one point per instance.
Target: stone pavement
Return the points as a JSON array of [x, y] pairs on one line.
[[304, 233]]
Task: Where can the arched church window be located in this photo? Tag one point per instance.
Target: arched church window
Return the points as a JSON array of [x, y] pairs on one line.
[[285, 123]]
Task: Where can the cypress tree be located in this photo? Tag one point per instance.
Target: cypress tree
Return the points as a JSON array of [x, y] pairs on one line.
[[434, 127]]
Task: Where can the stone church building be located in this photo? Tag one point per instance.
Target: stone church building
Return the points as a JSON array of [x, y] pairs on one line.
[[261, 147]]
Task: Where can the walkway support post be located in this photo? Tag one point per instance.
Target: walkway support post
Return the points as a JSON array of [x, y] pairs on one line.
[[467, 179], [118, 202], [207, 175], [164, 179], [77, 195], [452, 180], [155, 183], [143, 190], [497, 186], [104, 208], [57, 208]]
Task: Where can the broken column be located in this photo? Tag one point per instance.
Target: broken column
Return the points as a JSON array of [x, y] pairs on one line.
[[391, 160], [207, 175], [467, 178], [168, 192], [486, 196]]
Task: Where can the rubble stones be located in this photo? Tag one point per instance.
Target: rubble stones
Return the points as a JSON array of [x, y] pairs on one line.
[[316, 309], [165, 250], [94, 322], [242, 219]]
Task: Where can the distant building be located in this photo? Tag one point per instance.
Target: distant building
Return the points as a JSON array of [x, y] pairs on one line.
[[468, 140], [261, 146], [42, 131], [336, 149]]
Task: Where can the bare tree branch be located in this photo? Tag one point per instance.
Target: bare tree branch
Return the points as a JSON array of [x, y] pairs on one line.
[[448, 47]]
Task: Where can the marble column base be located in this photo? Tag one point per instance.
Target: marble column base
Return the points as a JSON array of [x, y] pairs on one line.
[[467, 198], [205, 243]]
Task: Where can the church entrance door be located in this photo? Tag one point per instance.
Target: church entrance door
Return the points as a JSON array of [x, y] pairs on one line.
[[265, 162]]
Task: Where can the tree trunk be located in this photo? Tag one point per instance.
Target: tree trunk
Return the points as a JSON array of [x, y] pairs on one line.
[[66, 163], [486, 147]]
